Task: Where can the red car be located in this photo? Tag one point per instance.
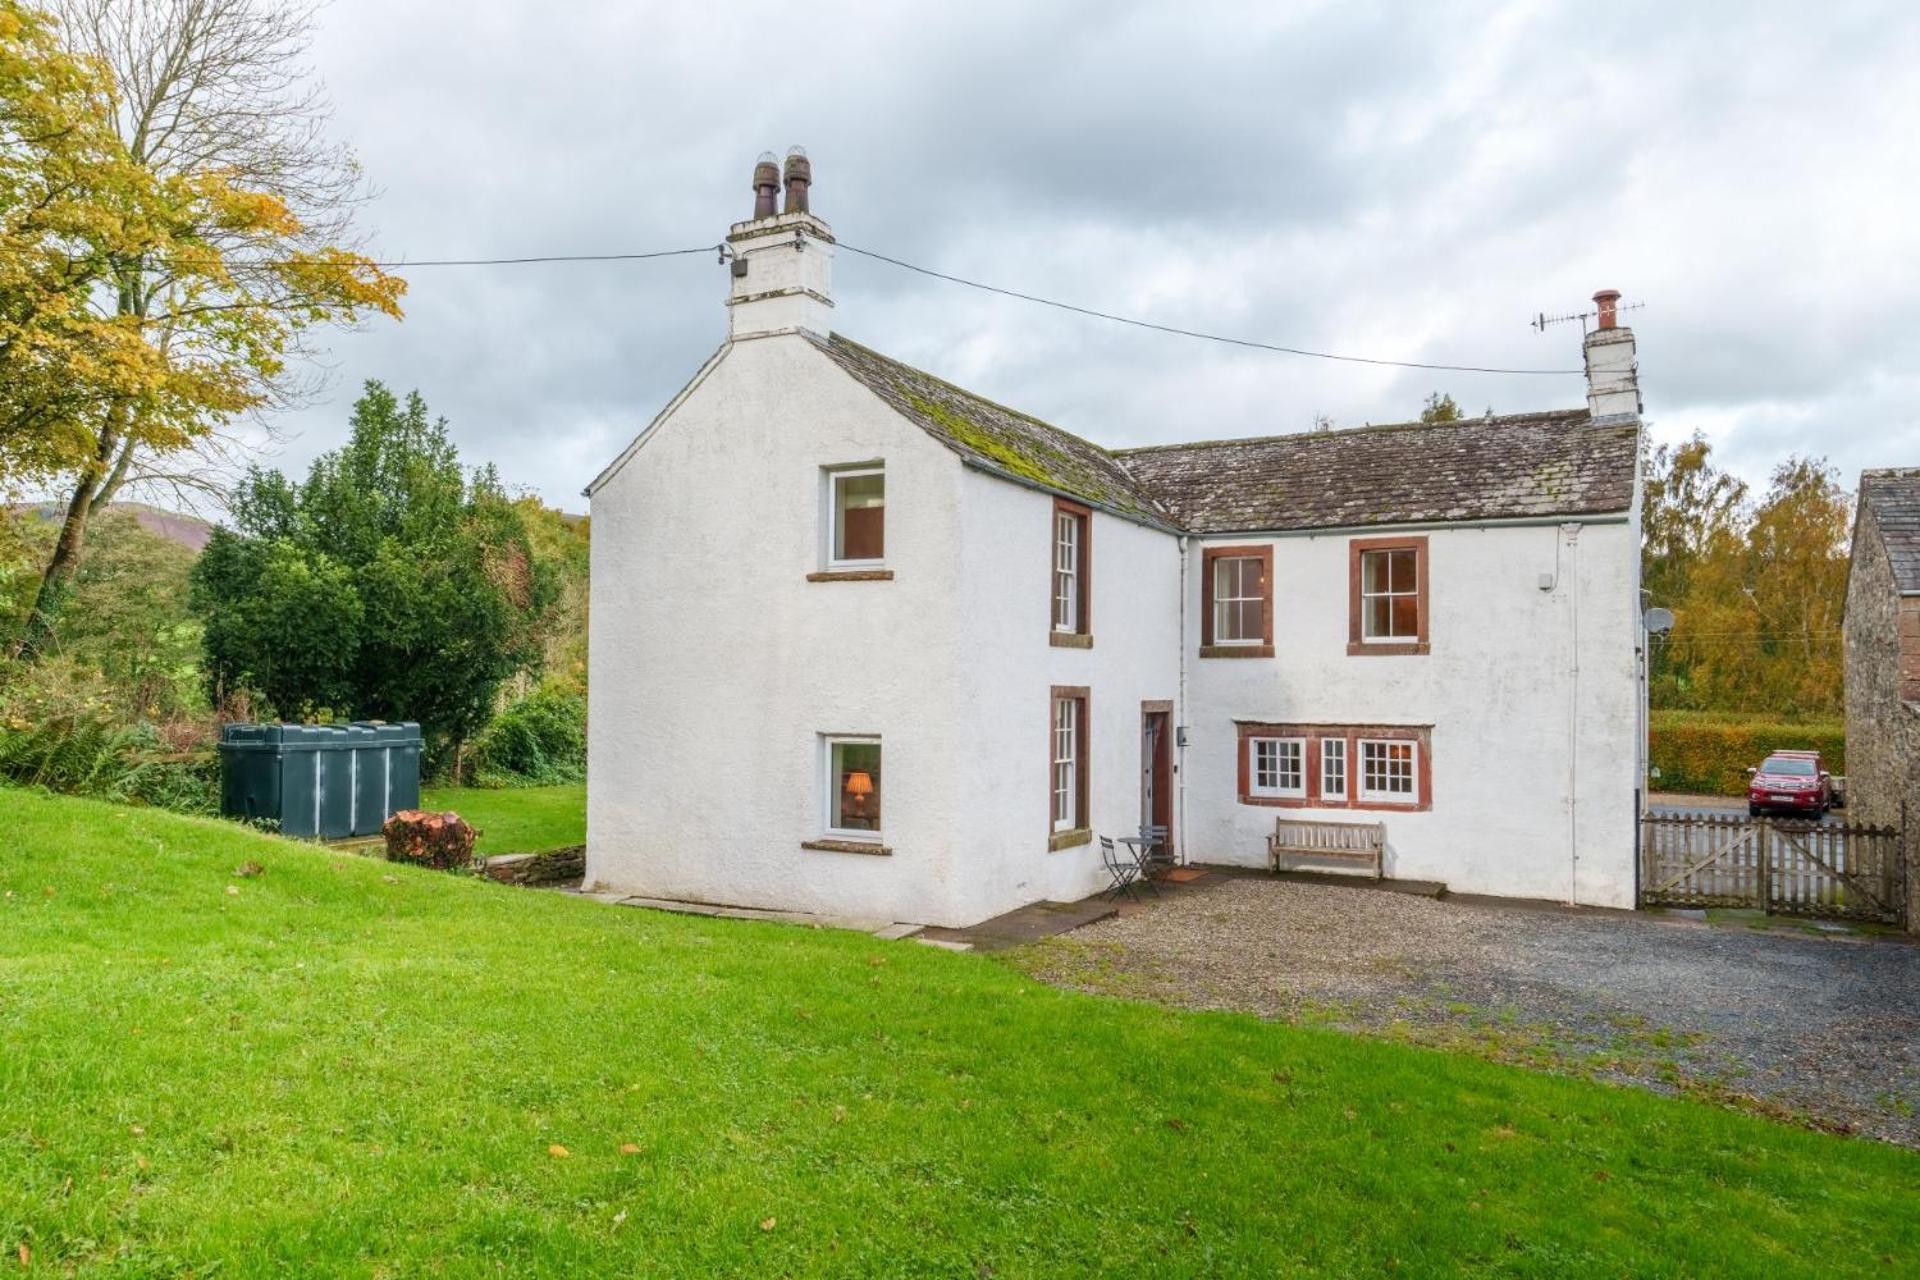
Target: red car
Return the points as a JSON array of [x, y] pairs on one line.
[[1790, 782]]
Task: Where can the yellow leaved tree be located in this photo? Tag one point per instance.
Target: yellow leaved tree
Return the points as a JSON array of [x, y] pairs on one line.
[[171, 224]]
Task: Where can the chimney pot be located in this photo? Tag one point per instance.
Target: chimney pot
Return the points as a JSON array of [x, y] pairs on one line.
[[799, 178], [1607, 300], [766, 185]]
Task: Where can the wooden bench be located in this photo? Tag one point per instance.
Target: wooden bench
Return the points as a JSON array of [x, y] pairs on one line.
[[1352, 843]]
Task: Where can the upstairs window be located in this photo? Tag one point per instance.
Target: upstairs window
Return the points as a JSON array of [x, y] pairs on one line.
[[1387, 608], [1072, 570], [1236, 614], [857, 502]]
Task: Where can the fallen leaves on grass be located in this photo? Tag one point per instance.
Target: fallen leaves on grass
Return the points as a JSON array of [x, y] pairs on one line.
[[558, 1152], [629, 1148], [233, 891], [249, 869], [768, 1224]]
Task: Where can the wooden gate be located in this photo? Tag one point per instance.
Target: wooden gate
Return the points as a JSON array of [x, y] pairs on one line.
[[1848, 871]]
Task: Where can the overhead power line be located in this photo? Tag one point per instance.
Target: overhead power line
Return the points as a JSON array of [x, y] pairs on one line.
[[1135, 322], [551, 257], [1195, 333]]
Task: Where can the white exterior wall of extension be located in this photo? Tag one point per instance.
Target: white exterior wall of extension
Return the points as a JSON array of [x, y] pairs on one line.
[[1511, 737], [716, 664], [1008, 669]]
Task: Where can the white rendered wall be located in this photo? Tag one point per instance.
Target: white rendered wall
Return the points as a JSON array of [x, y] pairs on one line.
[[1005, 675], [715, 664], [1497, 687]]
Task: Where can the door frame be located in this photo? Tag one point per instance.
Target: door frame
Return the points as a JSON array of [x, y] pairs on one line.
[[1157, 772]]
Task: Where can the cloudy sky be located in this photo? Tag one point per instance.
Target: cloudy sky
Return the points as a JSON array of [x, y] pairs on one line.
[[1397, 180]]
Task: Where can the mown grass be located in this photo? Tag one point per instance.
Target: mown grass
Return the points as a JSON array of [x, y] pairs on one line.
[[335, 1066], [518, 819]]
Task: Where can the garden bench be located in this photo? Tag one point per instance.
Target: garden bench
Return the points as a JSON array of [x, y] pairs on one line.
[[1352, 843]]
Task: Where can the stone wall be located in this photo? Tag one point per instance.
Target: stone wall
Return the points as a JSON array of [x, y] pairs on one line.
[[1882, 675], [556, 866]]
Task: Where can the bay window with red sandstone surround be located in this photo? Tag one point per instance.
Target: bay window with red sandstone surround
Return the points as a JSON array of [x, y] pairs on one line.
[[1336, 766]]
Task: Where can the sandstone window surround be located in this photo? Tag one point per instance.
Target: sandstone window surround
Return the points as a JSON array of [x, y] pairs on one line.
[[1236, 602], [1336, 766]]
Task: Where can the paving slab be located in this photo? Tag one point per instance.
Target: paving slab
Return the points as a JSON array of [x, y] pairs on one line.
[[895, 932], [945, 944]]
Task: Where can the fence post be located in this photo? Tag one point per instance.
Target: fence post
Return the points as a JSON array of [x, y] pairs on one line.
[[1763, 844]]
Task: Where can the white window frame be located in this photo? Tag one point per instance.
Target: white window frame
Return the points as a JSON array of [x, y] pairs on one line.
[[830, 500], [830, 786], [1366, 615], [1277, 789], [1329, 749], [1220, 601], [1409, 797], [1065, 765], [1069, 539]]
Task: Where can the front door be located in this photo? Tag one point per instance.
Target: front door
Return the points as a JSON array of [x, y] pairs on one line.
[[1156, 771]]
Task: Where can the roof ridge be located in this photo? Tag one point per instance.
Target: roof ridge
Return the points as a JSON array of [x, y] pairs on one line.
[[1483, 420]]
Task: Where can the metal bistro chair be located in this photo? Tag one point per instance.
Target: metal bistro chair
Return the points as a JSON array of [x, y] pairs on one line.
[[1123, 870], [1154, 854]]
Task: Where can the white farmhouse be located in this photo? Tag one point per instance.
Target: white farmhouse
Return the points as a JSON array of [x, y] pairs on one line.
[[865, 643]]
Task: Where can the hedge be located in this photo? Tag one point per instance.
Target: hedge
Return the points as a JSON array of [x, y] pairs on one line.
[[1708, 753]]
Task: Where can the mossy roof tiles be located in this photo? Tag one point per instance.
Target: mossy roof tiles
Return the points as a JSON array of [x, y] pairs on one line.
[[1554, 463]]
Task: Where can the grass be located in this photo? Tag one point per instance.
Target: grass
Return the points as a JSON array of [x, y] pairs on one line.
[[518, 819], [338, 1067]]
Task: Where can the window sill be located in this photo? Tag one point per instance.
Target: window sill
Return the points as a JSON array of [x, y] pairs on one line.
[[852, 575], [1068, 839], [1358, 806], [871, 847], [1356, 648], [1069, 639], [1236, 651]]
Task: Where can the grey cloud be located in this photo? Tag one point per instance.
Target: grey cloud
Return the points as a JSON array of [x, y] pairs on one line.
[[1409, 181]]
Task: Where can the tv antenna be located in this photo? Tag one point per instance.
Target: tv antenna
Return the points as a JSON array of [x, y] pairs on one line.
[[1542, 321]]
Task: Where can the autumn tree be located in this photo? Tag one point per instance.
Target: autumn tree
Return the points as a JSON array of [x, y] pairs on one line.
[[1439, 408], [389, 584], [215, 218], [1758, 589]]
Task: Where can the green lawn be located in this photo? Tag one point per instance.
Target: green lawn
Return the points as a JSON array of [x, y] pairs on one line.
[[518, 819], [339, 1067]]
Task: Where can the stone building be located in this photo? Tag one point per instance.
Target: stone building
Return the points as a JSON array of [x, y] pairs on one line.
[[1883, 662]]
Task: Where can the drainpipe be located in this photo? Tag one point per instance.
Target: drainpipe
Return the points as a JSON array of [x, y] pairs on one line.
[[1572, 532], [1180, 714]]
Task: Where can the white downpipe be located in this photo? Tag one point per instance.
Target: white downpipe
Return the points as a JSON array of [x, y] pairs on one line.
[[1572, 532], [1179, 717]]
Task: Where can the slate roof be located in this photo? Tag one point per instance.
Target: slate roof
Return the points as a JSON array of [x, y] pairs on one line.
[[995, 437], [1536, 464], [1514, 466], [1893, 495]]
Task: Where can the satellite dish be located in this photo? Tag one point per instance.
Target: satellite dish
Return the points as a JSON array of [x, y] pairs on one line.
[[1659, 621]]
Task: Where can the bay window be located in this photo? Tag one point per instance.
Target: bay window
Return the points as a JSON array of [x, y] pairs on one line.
[[1332, 766]]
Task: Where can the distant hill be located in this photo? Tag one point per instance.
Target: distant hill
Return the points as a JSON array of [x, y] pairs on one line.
[[190, 532]]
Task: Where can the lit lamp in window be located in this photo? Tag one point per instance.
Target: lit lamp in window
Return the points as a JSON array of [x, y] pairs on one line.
[[858, 787]]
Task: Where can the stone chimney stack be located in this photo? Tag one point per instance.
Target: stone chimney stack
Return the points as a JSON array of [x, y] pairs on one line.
[[781, 264], [1613, 371]]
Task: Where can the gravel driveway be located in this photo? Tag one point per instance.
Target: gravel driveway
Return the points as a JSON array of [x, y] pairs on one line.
[[1825, 1028]]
